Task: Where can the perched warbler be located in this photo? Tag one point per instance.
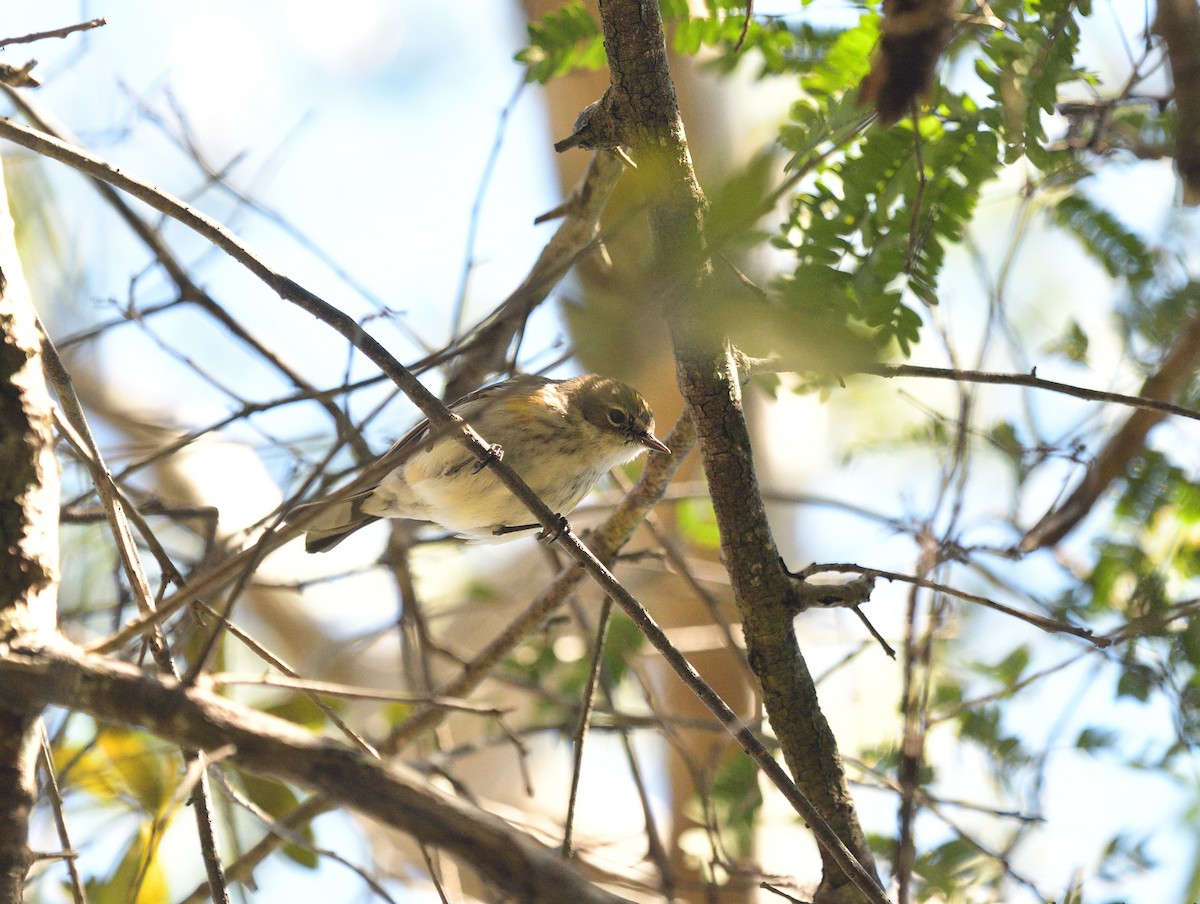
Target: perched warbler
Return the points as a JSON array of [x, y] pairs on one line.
[[560, 436]]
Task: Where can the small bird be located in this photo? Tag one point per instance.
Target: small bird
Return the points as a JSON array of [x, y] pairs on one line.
[[560, 436]]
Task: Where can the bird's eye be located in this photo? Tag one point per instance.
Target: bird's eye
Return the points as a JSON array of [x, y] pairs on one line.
[[617, 417]]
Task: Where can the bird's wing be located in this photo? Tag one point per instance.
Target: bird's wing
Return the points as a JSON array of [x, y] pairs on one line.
[[468, 407]]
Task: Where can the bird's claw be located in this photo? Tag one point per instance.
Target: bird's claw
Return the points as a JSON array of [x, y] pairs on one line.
[[550, 534], [494, 454]]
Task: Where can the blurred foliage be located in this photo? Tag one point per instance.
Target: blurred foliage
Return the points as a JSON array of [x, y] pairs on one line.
[[538, 661], [565, 39], [730, 805], [276, 800], [127, 772]]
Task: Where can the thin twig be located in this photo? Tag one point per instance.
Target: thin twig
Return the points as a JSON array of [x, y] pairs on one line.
[[223, 679], [485, 181], [583, 721], [54, 32], [78, 894], [1033, 381], [1050, 625]]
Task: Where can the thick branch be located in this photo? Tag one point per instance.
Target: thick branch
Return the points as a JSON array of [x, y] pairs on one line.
[[28, 540], [53, 672], [1179, 24], [640, 111]]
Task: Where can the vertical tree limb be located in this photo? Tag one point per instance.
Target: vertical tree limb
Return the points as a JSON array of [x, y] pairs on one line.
[[640, 110], [1178, 22], [28, 541]]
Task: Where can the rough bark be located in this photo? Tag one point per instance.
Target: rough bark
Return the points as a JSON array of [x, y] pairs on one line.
[[28, 543], [51, 671], [1178, 23], [639, 111]]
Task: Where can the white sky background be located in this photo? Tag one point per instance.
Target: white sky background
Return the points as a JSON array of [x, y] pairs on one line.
[[355, 119]]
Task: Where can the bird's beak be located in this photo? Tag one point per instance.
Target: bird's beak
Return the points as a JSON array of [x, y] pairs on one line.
[[650, 441]]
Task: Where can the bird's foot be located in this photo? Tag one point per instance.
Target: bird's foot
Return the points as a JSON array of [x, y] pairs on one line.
[[494, 454], [501, 529], [549, 534]]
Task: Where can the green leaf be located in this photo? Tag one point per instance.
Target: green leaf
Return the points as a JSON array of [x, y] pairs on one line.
[[943, 867], [983, 725], [1024, 65], [847, 60], [1093, 739], [1149, 486], [738, 800], [858, 219], [1004, 439], [1102, 235], [622, 646], [1124, 856], [1009, 670], [562, 41], [697, 522], [301, 709], [1072, 345], [1136, 681]]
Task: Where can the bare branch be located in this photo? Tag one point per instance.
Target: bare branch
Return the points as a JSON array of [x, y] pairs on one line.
[[1033, 381], [54, 32], [1049, 625], [52, 672]]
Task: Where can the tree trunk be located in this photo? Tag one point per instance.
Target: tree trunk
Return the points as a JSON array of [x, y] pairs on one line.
[[28, 540]]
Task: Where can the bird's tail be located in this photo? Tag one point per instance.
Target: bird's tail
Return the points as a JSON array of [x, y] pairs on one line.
[[334, 523]]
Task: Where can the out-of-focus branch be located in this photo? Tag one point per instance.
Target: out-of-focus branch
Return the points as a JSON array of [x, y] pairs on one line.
[[54, 32], [1178, 22], [1112, 461], [187, 287], [483, 350]]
